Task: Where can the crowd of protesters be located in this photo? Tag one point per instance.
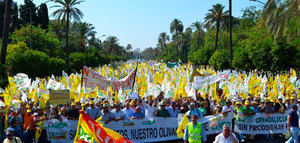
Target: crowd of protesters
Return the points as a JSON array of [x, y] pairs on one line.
[[27, 119]]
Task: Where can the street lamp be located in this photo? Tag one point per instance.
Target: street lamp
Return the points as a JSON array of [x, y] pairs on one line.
[[230, 34]]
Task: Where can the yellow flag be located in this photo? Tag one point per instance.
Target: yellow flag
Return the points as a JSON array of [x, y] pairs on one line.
[[181, 128]]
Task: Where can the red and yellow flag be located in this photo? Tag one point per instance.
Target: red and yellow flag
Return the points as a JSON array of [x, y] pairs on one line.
[[89, 130]]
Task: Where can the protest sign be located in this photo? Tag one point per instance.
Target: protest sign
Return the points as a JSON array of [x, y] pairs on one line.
[[199, 81], [92, 79], [172, 64], [61, 131], [262, 124], [59, 96]]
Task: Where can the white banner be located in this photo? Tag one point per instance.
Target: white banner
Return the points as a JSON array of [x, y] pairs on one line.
[[262, 124], [200, 81], [156, 129], [212, 124], [92, 79], [164, 129]]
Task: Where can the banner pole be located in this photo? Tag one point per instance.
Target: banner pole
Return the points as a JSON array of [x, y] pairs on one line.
[[82, 72], [137, 64]]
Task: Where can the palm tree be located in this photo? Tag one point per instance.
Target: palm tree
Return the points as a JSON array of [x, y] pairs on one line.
[[184, 40], [83, 32], [162, 40], [128, 47], [66, 12], [111, 43], [175, 28], [198, 27], [282, 17], [216, 17]]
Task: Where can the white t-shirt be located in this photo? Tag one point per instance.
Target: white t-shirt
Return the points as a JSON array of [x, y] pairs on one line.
[[117, 114], [225, 108], [172, 112], [149, 111], [127, 113], [221, 139]]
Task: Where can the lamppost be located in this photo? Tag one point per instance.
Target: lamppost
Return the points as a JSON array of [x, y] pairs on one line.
[[230, 34]]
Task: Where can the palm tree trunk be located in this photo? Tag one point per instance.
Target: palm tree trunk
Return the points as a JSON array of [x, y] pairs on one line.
[[67, 42], [110, 50], [5, 30], [166, 48], [217, 34]]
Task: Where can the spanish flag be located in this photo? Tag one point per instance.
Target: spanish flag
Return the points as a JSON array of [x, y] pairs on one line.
[[89, 130]]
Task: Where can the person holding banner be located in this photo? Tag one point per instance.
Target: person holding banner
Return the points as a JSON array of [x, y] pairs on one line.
[[293, 125], [228, 109], [194, 132], [93, 111], [226, 136], [194, 111]]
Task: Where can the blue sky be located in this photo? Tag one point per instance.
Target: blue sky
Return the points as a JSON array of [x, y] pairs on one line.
[[139, 22]]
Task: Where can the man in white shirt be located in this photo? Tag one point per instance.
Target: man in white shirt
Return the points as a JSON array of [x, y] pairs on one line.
[[173, 111], [127, 111], [117, 113], [226, 136], [150, 110], [228, 109]]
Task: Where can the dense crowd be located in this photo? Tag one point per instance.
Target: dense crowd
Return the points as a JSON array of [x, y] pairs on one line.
[[26, 121]]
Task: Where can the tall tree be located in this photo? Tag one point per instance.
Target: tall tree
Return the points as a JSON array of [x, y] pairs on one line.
[[162, 40], [5, 30], [216, 17], [43, 16], [128, 47], [111, 43], [184, 40], [198, 27], [25, 10], [175, 28], [15, 21], [66, 11]]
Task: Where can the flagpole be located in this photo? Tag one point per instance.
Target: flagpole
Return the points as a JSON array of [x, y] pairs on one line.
[[82, 72], [137, 64]]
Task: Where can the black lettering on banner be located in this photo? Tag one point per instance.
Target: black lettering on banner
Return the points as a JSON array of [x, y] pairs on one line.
[[242, 127], [144, 133], [205, 126], [155, 133], [161, 132], [72, 134], [151, 134]]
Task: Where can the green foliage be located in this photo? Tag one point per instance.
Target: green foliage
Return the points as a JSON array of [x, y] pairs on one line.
[[14, 51], [56, 66], [77, 61], [32, 62], [41, 40], [283, 56], [201, 56], [241, 59], [220, 59]]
